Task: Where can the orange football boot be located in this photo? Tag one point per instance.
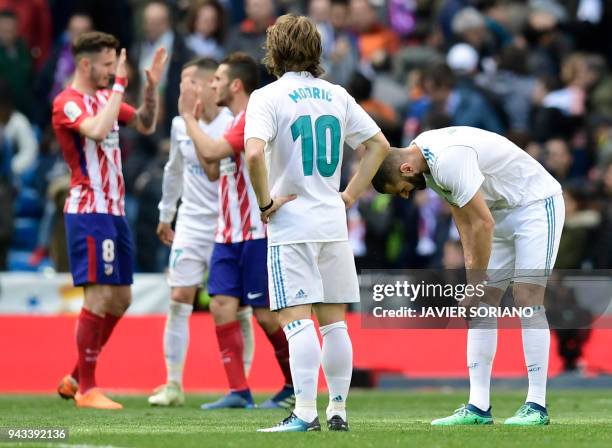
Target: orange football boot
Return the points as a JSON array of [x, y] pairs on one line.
[[94, 398], [68, 387]]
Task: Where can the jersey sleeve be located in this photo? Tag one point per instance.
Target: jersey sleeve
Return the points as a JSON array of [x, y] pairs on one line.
[[457, 171], [126, 113], [235, 135], [172, 182], [69, 112], [359, 125], [260, 118]]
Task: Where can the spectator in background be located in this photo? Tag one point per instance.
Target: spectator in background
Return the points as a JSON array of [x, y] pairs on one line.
[[377, 42], [158, 32], [342, 57], [513, 86], [558, 159], [465, 105], [17, 139], [34, 26], [18, 150], [58, 69], [579, 228], [15, 61], [603, 257], [469, 26], [360, 88], [250, 36], [206, 23]]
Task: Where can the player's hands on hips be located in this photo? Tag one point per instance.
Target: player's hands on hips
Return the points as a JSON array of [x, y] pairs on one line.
[[165, 233], [278, 203], [121, 70], [348, 200], [156, 70], [189, 102]]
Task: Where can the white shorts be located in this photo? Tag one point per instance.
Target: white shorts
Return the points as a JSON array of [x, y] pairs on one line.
[[304, 273], [189, 261], [525, 242]]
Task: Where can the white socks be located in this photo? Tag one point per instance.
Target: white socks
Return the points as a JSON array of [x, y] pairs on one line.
[[245, 317], [481, 347], [536, 347], [304, 359], [337, 366], [176, 339]]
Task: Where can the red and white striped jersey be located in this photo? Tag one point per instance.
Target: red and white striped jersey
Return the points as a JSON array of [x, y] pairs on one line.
[[239, 217], [96, 184]]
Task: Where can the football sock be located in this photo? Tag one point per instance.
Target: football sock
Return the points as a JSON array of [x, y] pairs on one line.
[[231, 346], [536, 347], [481, 347], [176, 339], [281, 351], [245, 317], [305, 360], [337, 360], [108, 326], [88, 338]]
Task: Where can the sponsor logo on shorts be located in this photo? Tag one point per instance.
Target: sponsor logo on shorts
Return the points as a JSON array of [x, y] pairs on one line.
[[108, 269], [253, 296], [301, 294]]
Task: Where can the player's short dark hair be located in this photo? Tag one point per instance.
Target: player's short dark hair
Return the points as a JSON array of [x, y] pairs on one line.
[[93, 42], [202, 63], [243, 67], [388, 172], [7, 13]]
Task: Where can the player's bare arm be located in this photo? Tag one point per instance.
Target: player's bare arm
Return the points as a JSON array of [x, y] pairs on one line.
[[377, 149], [98, 126], [475, 224], [145, 119], [208, 150], [254, 149]]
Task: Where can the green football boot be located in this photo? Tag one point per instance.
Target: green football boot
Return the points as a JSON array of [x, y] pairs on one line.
[[530, 414], [466, 415]]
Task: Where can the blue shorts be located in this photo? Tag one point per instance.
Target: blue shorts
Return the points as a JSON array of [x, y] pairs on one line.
[[100, 249], [239, 270]]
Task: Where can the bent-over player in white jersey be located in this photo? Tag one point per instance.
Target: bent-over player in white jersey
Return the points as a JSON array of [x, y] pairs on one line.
[[295, 131], [193, 238], [510, 212]]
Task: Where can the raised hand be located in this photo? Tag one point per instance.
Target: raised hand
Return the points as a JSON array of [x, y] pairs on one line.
[[121, 69], [156, 70], [189, 99]]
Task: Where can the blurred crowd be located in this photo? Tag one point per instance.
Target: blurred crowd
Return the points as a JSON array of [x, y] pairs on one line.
[[536, 71]]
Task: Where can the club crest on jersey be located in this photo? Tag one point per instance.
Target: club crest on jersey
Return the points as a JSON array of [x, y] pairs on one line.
[[227, 166], [72, 111]]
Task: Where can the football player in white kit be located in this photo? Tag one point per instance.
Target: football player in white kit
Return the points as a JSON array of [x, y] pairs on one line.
[[193, 239], [295, 131], [509, 212]]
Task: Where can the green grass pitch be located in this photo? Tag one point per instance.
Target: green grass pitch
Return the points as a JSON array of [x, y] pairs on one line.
[[378, 419]]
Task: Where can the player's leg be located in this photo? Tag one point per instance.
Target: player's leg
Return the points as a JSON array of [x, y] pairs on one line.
[[340, 286], [186, 269], [95, 259], [294, 285], [225, 288], [245, 317], [176, 342], [538, 232], [482, 332], [255, 293], [269, 323]]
